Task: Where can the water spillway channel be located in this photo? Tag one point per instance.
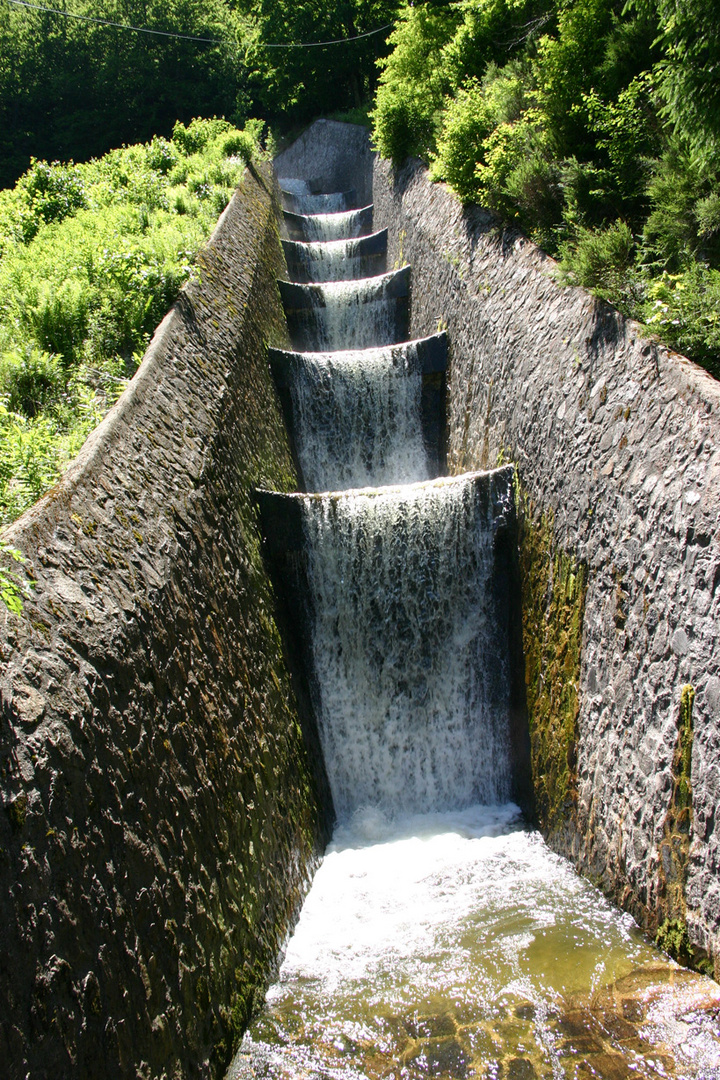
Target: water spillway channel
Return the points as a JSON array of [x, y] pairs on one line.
[[440, 937]]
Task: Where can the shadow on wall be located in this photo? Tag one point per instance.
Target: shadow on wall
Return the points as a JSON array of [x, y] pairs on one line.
[[331, 156]]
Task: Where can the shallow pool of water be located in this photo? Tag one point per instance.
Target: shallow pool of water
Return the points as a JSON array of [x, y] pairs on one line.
[[458, 945]]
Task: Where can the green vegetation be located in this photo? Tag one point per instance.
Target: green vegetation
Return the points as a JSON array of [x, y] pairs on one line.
[[674, 851], [553, 587], [593, 125], [91, 258], [12, 585], [307, 82], [72, 88]]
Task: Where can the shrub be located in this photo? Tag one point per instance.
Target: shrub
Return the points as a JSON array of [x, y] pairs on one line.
[[519, 179], [51, 193], [684, 310], [31, 381], [241, 145], [198, 133], [466, 125], [469, 118], [602, 260], [684, 219]]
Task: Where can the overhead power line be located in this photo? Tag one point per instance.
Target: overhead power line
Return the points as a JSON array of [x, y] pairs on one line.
[[316, 44], [193, 37]]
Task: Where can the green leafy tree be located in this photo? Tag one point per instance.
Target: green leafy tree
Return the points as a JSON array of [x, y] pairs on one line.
[[319, 78], [690, 72], [70, 88], [414, 83]]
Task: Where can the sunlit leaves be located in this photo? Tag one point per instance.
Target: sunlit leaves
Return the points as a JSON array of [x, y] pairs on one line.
[[83, 286]]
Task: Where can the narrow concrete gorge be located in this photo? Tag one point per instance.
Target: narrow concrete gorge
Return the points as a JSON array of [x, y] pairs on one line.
[[413, 560]]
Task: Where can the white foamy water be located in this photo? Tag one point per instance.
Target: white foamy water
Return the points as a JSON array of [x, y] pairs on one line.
[[331, 261], [413, 681], [358, 418], [344, 225], [393, 902], [458, 945]]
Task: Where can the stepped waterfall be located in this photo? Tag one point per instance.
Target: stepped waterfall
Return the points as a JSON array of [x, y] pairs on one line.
[[440, 937]]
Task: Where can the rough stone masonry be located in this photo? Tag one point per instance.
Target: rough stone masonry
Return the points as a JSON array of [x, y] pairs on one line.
[[160, 814], [617, 446]]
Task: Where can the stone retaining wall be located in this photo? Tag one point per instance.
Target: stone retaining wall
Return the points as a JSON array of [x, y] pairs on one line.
[[617, 445], [160, 809]]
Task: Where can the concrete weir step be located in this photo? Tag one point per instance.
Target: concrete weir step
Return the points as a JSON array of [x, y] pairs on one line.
[[337, 260], [285, 545], [336, 225], [425, 356], [348, 314], [318, 204]]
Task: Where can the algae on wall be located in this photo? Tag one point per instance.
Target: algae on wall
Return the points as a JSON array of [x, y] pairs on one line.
[[670, 917], [553, 585]]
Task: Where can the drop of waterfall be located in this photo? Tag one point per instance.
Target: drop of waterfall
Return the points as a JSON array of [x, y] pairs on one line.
[[337, 226], [357, 418], [348, 314], [412, 682], [336, 260]]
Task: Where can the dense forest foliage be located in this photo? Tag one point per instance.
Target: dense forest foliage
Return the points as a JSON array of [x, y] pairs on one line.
[[594, 125], [72, 87]]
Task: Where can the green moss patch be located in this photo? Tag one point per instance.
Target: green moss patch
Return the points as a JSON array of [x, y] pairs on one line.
[[553, 586], [674, 852]]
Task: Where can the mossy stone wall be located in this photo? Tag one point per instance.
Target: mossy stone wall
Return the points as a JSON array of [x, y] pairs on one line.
[[617, 446], [160, 815]]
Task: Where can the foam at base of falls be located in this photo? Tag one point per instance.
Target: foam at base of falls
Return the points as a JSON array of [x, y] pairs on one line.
[[357, 418], [344, 225], [413, 683], [459, 945], [391, 894]]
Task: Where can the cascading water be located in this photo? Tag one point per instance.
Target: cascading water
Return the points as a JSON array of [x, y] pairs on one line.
[[301, 201], [412, 714], [358, 418], [440, 938], [347, 314], [337, 260], [341, 225], [329, 262]]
